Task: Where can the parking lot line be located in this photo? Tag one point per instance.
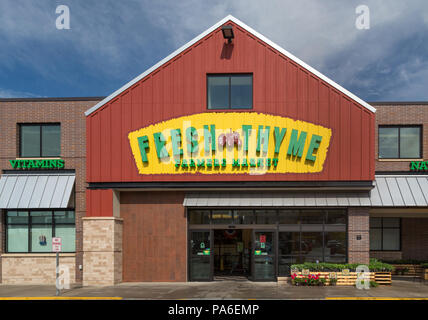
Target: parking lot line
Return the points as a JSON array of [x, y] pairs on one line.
[[61, 298], [372, 298]]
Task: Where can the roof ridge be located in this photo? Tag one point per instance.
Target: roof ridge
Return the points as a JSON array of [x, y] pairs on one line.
[[253, 32]]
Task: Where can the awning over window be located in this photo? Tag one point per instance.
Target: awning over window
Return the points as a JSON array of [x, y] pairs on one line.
[[36, 191], [388, 191]]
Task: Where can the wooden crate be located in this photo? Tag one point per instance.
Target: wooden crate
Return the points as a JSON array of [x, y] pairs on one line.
[[343, 280], [414, 269], [383, 278], [425, 274]]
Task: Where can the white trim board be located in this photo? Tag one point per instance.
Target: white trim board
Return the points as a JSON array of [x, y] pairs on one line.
[[253, 32]]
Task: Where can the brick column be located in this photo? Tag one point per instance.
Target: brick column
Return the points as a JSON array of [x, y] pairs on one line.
[[102, 250], [358, 235]]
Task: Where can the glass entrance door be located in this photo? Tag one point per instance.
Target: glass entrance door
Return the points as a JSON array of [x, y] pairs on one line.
[[200, 255], [264, 264]]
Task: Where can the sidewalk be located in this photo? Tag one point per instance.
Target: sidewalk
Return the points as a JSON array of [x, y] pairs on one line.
[[221, 290]]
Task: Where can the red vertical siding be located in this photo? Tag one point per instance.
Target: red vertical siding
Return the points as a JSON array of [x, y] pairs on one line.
[[99, 203], [281, 87]]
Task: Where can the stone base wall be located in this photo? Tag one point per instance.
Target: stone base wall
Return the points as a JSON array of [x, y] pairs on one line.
[[30, 268], [102, 251], [358, 235]]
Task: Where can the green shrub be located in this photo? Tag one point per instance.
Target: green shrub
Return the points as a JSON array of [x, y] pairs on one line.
[[374, 266], [424, 265]]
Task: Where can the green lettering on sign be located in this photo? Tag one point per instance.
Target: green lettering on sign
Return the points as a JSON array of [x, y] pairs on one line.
[[201, 163], [37, 164], [419, 166], [216, 163], [245, 130], [275, 162], [160, 142], [296, 143], [223, 162], [313, 145], [263, 135], [192, 140], [279, 136], [209, 137], [143, 143], [414, 165], [176, 142]]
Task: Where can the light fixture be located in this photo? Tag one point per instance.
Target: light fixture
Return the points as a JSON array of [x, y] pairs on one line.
[[228, 33]]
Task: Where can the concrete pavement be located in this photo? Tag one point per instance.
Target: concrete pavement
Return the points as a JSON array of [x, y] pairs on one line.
[[221, 290]]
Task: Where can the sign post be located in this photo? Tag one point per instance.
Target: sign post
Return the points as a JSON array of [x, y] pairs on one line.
[[56, 247]]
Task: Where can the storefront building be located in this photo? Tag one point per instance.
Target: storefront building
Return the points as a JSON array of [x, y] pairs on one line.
[[42, 187], [230, 157]]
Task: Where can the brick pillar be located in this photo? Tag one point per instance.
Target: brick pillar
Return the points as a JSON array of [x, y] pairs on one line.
[[102, 250], [358, 235]]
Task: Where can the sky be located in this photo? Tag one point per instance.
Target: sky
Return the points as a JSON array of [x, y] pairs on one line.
[[111, 42]]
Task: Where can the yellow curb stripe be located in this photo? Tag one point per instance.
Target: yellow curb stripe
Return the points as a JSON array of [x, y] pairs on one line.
[[372, 298], [61, 298]]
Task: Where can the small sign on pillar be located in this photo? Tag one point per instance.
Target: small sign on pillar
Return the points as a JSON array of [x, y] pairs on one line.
[[56, 245]]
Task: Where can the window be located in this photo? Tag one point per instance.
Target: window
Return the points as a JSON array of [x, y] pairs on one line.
[[385, 234], [32, 231], [304, 235], [230, 91], [40, 140], [199, 217], [399, 142]]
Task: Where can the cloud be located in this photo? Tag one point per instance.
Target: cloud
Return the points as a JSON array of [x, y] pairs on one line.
[[111, 42], [8, 93]]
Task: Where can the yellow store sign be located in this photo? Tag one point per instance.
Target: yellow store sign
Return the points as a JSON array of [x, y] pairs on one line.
[[230, 142]]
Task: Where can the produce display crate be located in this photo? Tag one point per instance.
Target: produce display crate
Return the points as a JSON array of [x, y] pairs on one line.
[[350, 278], [382, 278], [413, 269]]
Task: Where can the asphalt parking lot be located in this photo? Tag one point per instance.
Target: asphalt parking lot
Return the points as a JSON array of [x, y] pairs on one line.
[[219, 290]]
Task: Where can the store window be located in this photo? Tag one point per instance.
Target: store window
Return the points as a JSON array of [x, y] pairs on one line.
[[311, 236], [40, 140], [230, 91], [385, 234], [400, 142], [199, 217], [32, 231], [222, 217]]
